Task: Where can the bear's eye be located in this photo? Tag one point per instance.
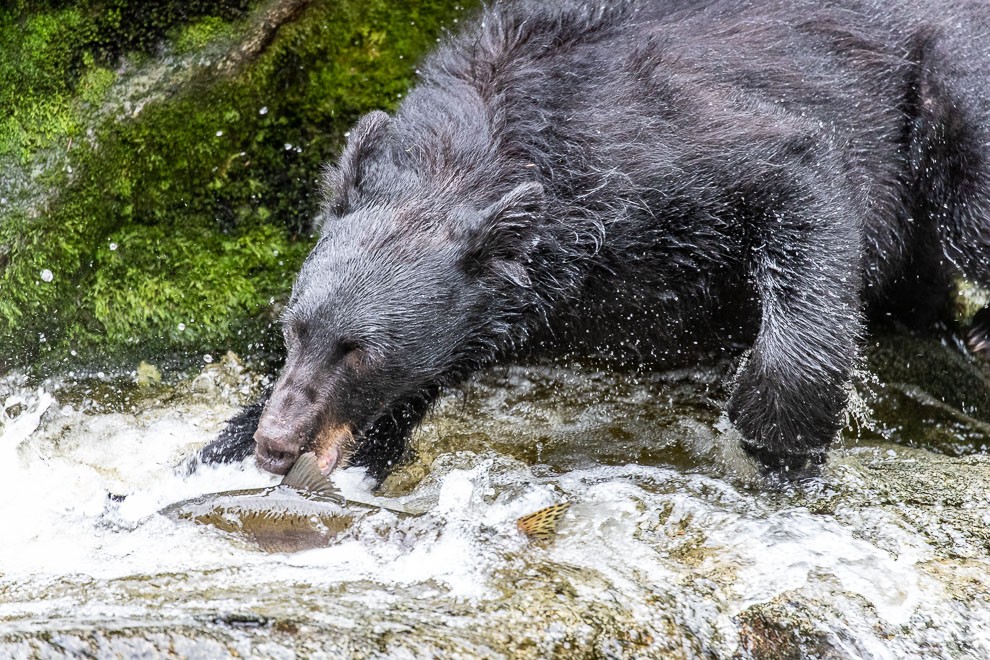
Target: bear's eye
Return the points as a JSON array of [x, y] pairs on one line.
[[353, 354], [346, 346]]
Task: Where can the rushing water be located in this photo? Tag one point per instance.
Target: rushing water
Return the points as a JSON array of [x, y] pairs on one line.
[[673, 545]]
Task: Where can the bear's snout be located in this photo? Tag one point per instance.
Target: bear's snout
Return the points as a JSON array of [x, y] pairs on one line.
[[277, 447], [289, 419]]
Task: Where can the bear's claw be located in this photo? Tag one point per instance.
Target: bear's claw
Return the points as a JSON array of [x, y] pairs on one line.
[[781, 463], [978, 337]]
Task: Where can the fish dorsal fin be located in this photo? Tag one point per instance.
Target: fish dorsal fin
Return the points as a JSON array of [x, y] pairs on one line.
[[542, 525], [306, 475]]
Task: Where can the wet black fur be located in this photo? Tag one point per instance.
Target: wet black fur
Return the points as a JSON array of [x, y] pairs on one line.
[[665, 181]]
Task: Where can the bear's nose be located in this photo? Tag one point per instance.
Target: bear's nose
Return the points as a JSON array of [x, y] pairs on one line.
[[277, 450]]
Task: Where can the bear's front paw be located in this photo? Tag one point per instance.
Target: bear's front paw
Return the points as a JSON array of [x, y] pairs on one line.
[[784, 463], [786, 422]]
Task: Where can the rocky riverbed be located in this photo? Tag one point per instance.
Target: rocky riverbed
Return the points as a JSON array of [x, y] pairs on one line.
[[673, 544]]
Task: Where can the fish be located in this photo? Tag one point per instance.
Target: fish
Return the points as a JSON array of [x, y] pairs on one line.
[[306, 511], [541, 525], [303, 512]]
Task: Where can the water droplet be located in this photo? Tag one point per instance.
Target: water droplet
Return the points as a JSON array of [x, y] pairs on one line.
[[219, 133], [207, 358], [182, 327], [288, 146], [113, 247], [47, 275], [264, 110]]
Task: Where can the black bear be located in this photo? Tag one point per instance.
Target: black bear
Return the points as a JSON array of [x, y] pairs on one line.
[[664, 180]]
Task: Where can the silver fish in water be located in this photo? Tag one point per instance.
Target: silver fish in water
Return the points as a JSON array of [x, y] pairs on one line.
[[306, 511]]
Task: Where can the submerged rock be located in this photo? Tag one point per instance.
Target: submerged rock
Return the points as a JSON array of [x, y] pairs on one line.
[[931, 394]]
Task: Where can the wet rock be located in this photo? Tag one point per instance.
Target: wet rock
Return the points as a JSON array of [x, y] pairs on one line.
[[667, 550], [13, 410], [782, 630], [147, 375], [925, 393]]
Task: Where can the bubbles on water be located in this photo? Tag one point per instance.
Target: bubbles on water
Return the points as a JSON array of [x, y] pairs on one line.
[[207, 358]]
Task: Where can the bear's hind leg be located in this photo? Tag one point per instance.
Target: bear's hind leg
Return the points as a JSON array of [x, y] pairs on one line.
[[951, 148]]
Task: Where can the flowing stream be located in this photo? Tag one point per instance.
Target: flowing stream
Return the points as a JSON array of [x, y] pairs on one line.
[[673, 545]]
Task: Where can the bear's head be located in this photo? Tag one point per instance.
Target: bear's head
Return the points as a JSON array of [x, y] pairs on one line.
[[407, 291]]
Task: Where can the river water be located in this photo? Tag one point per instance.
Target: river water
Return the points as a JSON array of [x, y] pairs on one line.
[[673, 545]]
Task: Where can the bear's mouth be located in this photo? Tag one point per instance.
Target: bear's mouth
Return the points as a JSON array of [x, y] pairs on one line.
[[332, 445]]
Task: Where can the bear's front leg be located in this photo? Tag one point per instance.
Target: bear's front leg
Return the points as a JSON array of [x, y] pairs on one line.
[[790, 392], [385, 443], [235, 442]]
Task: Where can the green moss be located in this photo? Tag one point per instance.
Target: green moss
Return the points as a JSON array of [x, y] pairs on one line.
[[95, 82], [151, 283], [55, 57], [34, 81], [198, 34], [205, 194]]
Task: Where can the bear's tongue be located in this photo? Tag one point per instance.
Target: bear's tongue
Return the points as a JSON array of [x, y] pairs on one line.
[[330, 445]]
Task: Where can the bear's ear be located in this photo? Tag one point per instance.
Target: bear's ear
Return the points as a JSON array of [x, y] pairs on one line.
[[505, 234], [366, 141]]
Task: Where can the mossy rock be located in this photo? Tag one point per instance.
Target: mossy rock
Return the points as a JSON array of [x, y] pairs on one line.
[[159, 162]]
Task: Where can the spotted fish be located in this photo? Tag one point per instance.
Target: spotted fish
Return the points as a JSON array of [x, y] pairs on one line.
[[542, 525]]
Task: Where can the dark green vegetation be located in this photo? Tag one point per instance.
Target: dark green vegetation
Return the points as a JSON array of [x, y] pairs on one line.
[[159, 161]]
